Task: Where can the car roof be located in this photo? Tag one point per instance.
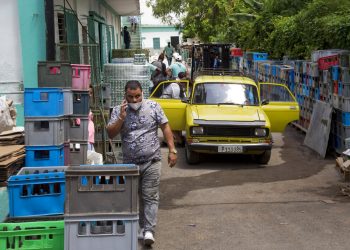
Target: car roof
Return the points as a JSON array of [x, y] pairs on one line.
[[228, 79]]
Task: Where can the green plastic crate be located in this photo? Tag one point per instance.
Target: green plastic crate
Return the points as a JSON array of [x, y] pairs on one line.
[[48, 235]]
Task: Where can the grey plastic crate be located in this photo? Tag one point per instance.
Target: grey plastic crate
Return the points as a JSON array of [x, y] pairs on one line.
[[107, 103], [345, 74], [345, 104], [80, 102], [106, 90], [77, 153], [335, 101], [55, 74], [76, 128], [86, 193], [44, 131], [325, 76], [67, 102], [100, 232], [346, 90]]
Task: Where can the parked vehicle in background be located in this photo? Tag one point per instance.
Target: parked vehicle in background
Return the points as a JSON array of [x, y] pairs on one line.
[[226, 112]]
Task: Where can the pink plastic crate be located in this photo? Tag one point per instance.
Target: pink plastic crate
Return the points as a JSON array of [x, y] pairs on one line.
[[81, 78]]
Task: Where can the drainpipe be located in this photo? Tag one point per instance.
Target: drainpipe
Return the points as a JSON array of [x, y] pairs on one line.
[[50, 30]]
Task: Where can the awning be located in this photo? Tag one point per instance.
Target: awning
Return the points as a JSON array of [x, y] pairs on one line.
[[125, 7]]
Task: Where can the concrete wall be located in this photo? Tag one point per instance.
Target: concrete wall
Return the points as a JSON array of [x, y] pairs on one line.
[[10, 49], [152, 27], [164, 33], [82, 8]]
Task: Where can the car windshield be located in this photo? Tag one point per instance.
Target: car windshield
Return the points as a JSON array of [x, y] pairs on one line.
[[222, 93]]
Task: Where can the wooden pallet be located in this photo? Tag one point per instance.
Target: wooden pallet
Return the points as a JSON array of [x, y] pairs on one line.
[[344, 172]]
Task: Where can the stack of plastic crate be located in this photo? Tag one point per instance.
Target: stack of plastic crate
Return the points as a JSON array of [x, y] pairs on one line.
[[101, 208], [73, 80], [35, 194], [117, 75], [44, 126]]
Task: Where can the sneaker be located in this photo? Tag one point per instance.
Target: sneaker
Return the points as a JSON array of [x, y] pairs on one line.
[[148, 238], [140, 234]]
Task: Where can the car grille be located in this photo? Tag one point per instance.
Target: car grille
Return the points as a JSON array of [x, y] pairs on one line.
[[229, 131]]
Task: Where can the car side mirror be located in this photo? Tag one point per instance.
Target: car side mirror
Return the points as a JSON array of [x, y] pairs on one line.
[[185, 100], [265, 102]]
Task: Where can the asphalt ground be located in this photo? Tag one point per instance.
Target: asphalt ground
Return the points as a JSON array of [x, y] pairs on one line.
[[229, 202]]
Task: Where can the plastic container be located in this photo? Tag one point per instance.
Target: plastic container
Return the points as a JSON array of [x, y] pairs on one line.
[[77, 152], [66, 153], [102, 189], [324, 63], [101, 232], [44, 131], [37, 192], [80, 102], [81, 78], [236, 52], [106, 90], [345, 118], [68, 102], [335, 73], [55, 74], [76, 127], [48, 235], [44, 156], [43, 102]]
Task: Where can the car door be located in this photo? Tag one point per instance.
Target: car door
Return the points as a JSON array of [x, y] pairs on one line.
[[174, 109], [282, 107]]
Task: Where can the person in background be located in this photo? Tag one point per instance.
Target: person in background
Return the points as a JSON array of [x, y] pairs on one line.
[[160, 74], [134, 20], [91, 125], [176, 68], [137, 120], [168, 52], [126, 37]]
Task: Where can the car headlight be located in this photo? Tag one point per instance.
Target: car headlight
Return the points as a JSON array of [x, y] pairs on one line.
[[261, 132], [197, 130]]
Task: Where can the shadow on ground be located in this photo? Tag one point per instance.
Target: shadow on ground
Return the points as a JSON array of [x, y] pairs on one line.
[[298, 162]]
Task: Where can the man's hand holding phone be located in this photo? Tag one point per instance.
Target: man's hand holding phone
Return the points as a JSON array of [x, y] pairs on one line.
[[123, 106]]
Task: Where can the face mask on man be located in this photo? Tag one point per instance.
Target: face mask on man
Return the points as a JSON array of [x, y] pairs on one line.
[[135, 106]]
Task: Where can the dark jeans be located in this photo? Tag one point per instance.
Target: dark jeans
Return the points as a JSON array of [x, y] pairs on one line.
[[169, 60]]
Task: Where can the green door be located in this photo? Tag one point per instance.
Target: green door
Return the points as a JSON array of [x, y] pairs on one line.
[[72, 36]]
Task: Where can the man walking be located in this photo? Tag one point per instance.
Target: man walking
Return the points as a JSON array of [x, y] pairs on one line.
[[127, 38], [168, 51], [137, 120]]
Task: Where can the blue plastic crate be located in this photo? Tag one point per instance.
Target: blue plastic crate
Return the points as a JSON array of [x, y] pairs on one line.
[[346, 118], [37, 192], [340, 89], [37, 156], [43, 102], [335, 73], [257, 56]]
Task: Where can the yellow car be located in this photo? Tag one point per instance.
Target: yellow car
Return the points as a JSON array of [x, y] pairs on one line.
[[228, 115]]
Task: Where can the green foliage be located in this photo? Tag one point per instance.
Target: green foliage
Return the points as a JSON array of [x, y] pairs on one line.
[[279, 27]]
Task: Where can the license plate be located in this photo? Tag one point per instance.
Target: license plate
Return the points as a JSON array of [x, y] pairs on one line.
[[230, 149]]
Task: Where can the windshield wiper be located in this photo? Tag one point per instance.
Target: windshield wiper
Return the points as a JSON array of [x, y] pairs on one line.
[[229, 103]]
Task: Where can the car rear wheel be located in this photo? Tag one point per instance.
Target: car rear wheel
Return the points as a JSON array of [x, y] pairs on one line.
[[191, 156], [263, 158]]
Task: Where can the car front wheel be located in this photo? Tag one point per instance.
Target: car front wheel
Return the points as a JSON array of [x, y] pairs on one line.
[[263, 158], [191, 156]]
